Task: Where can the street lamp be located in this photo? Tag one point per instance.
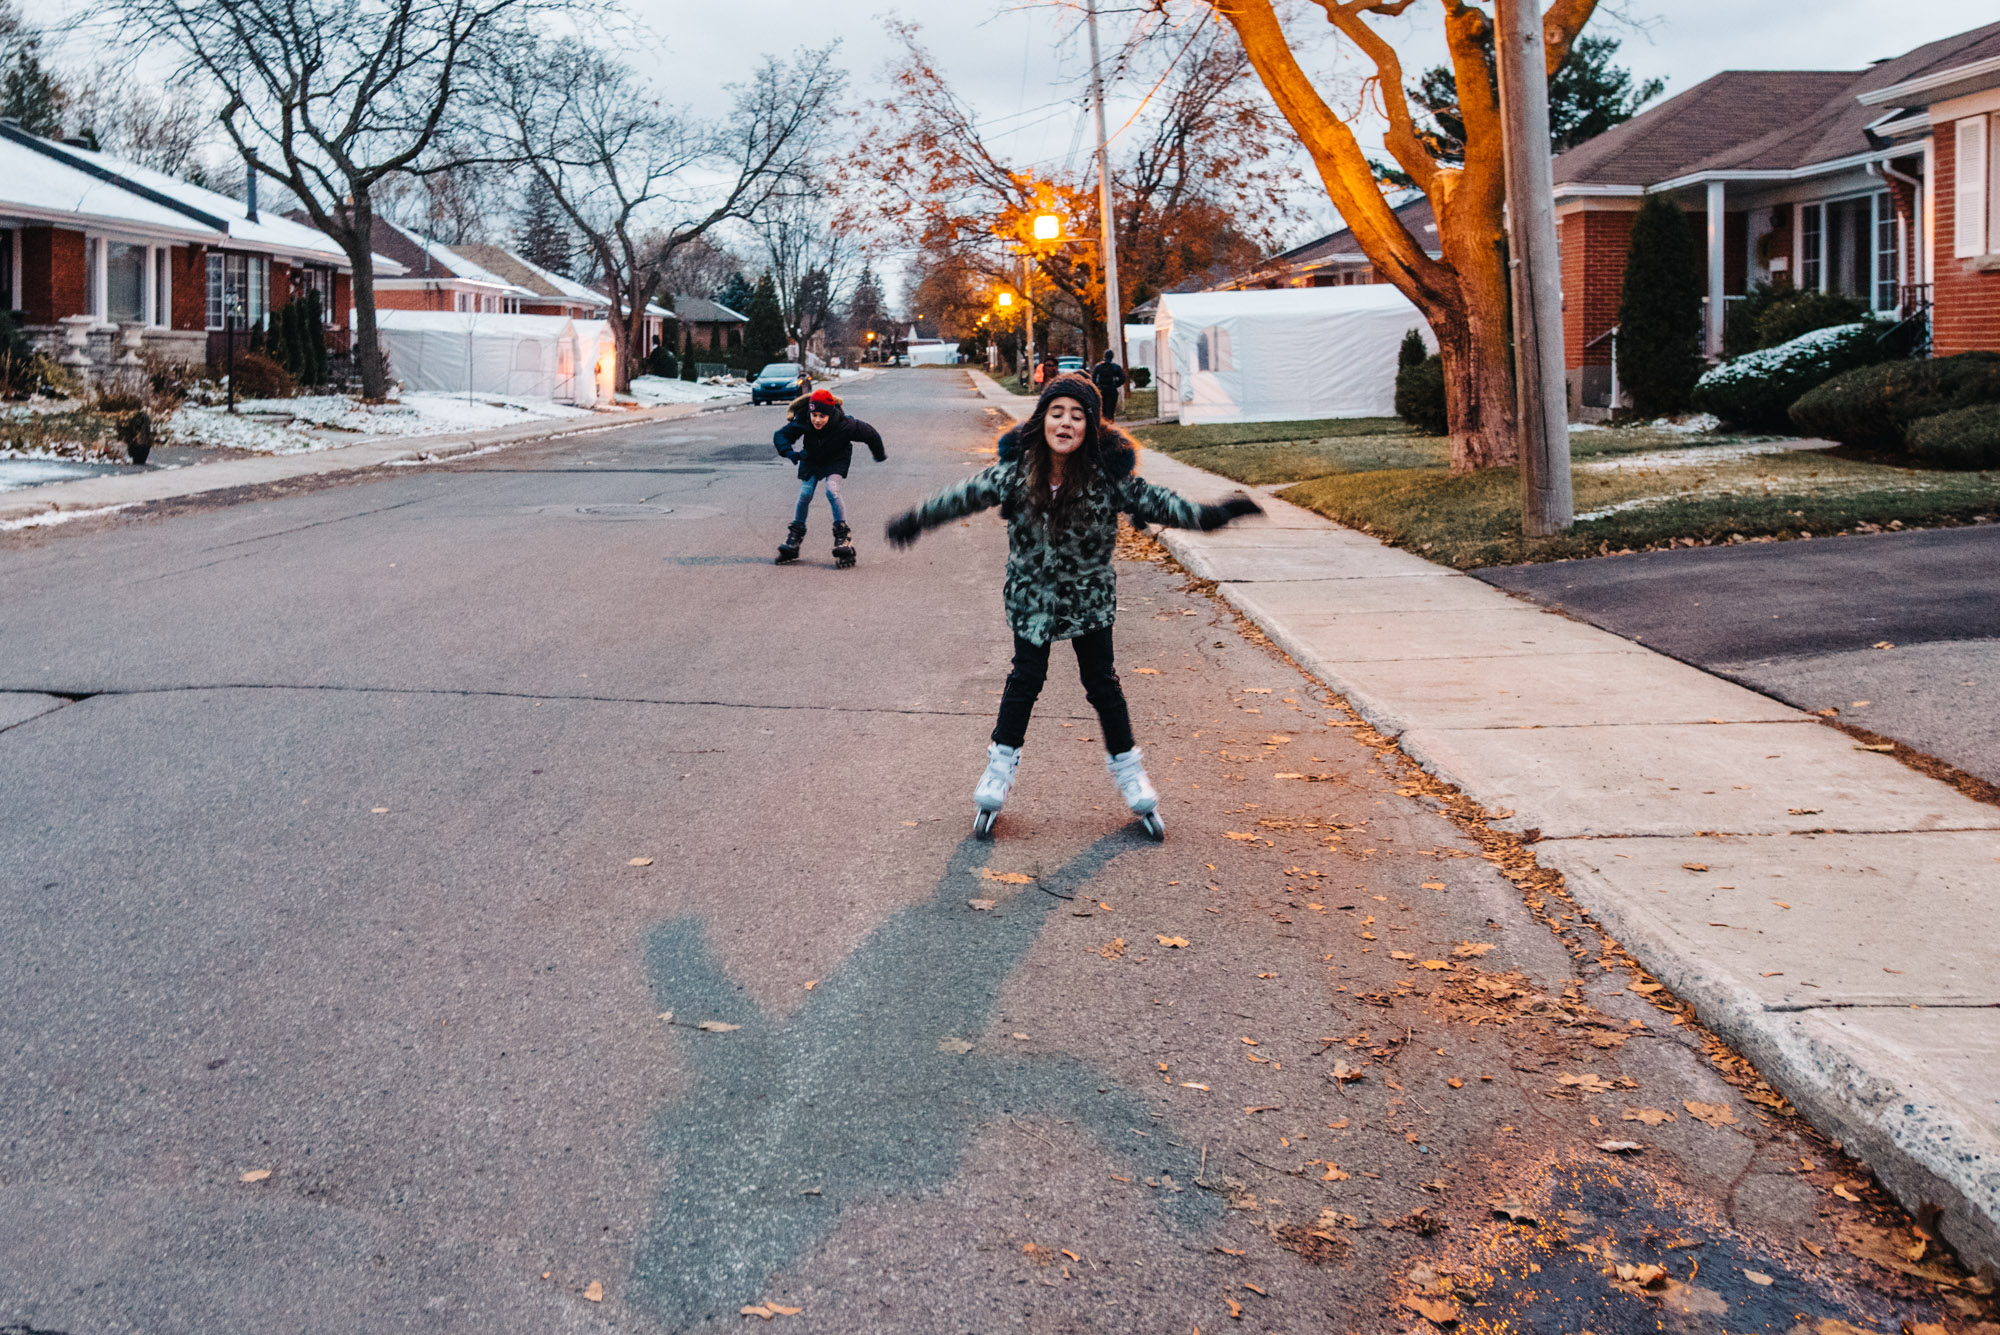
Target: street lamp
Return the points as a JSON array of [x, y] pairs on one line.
[[1048, 227]]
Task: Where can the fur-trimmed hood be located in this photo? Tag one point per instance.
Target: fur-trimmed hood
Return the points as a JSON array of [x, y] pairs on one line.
[[1118, 453]]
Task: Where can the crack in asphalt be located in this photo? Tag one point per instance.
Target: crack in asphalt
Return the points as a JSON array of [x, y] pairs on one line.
[[74, 697]]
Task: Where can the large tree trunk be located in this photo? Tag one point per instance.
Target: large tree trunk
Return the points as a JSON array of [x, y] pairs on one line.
[[1478, 353], [365, 349]]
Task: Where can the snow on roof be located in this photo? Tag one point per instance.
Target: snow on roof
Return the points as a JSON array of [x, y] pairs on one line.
[[55, 180], [524, 273]]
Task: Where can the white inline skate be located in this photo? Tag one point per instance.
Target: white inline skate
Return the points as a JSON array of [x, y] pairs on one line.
[[1129, 771], [994, 784]]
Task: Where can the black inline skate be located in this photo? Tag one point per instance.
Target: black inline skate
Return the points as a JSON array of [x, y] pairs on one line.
[[788, 550], [843, 545]]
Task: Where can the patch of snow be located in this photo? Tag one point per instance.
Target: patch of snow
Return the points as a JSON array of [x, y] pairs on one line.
[[48, 518], [428, 458], [1695, 424], [1696, 457], [328, 421], [1765, 361], [658, 389], [18, 473]]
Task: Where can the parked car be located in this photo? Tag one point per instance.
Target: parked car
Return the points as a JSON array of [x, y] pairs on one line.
[[1067, 364], [780, 382]]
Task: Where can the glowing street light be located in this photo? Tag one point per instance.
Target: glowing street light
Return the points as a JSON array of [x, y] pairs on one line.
[[1048, 227], [1005, 299]]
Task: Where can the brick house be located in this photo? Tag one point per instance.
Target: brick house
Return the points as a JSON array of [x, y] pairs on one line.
[[1795, 178], [436, 277], [104, 260], [713, 326], [1335, 260], [1950, 112], [556, 295]]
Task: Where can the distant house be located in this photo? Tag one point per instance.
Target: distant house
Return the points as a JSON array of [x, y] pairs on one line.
[[550, 293], [105, 260], [436, 277], [712, 326], [1821, 179], [1335, 260]]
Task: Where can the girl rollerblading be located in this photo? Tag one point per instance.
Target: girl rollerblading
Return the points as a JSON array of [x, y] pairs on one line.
[[1064, 479], [825, 437]]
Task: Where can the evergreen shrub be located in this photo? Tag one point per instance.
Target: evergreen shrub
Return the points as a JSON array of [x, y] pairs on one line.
[[1756, 390], [1659, 311], [1962, 438], [1420, 396], [662, 362], [1873, 407], [259, 377]]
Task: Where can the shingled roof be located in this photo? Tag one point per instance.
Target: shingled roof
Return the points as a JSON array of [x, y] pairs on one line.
[[1753, 121]]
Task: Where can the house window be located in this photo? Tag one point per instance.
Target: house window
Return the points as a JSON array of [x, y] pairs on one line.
[[1811, 234], [124, 282], [163, 287], [320, 281], [8, 301], [237, 287], [1888, 254], [93, 275], [1975, 202]]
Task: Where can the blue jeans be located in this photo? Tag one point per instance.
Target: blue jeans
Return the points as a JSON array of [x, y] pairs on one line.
[[806, 490]]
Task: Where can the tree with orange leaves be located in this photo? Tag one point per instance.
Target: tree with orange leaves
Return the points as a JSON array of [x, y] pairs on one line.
[[1199, 183], [1464, 294]]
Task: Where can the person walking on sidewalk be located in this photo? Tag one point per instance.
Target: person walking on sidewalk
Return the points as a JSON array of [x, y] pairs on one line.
[[1061, 495], [829, 436], [1109, 377]]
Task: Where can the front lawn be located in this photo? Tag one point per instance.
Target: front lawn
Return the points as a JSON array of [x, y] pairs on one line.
[[1635, 488]]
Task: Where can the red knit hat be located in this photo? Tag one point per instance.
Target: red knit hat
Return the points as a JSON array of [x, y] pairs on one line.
[[824, 399]]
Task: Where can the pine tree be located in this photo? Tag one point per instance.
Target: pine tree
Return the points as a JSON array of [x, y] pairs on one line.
[[865, 309], [1659, 312], [1412, 352], [736, 294], [764, 333], [687, 355], [544, 238], [30, 94]]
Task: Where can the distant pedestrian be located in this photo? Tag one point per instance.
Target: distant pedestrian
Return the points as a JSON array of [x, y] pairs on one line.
[[1047, 369], [829, 436], [1109, 377], [1061, 489]]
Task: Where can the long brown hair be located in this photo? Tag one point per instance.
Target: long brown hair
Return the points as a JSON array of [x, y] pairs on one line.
[[1038, 463]]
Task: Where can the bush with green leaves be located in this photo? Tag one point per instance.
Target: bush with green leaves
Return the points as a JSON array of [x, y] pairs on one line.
[[1420, 396], [1962, 438], [1756, 390], [1659, 311], [1872, 408]]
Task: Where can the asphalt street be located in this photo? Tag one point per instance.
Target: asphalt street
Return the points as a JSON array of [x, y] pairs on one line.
[[1899, 632], [493, 898]]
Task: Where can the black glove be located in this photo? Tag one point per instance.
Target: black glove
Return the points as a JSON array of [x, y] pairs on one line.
[[1215, 516], [903, 529], [881, 455]]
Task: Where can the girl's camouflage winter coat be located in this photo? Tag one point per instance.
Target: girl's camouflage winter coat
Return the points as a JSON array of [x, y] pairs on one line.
[[1061, 584]]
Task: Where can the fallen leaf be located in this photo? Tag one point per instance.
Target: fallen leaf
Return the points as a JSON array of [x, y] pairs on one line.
[[1589, 1083], [1235, 1309], [1146, 672], [1812, 1247], [1781, 903], [255, 1175], [982, 904], [1882, 644], [1804, 811], [718, 1027], [1189, 1084], [1435, 965], [1239, 836], [593, 1292], [1647, 989], [1005, 877], [1072, 1255], [1650, 1116], [1433, 885], [1758, 1277], [380, 811], [958, 1045], [1342, 1071], [1513, 1211], [1710, 1114], [1401, 955], [1267, 975], [638, 862], [1112, 949], [1471, 950], [1231, 1251], [1841, 1190], [1647, 1276], [1335, 1174], [1256, 690], [783, 1311], [1620, 1146], [811, 984], [1456, 1083], [1172, 942], [1442, 1311], [1254, 1289], [1880, 746], [758, 1311], [1695, 866], [1288, 776]]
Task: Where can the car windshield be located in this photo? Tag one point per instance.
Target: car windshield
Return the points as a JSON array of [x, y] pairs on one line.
[[779, 371]]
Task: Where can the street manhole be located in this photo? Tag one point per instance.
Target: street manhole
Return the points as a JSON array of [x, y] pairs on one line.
[[624, 511]]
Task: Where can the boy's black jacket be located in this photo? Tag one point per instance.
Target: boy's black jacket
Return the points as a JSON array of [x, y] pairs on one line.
[[829, 452]]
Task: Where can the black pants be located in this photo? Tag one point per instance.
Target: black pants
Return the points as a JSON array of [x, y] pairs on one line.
[[1100, 686]]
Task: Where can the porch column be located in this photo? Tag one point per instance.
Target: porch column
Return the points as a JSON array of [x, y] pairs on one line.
[[1716, 231]]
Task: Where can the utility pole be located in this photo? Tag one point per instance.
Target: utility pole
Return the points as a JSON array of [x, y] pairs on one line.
[[1114, 318], [1542, 421], [1027, 324]]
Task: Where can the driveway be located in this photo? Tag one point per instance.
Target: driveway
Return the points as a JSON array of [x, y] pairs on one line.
[[1898, 631]]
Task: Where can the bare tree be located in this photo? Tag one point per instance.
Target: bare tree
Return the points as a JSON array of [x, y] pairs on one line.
[[641, 181], [699, 267], [171, 130], [329, 98], [812, 261]]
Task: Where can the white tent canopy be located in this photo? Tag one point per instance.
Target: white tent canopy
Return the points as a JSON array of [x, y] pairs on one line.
[[520, 356], [1281, 354]]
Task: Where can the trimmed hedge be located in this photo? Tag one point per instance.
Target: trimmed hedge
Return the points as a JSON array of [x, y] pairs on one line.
[[1756, 389], [1963, 438], [1873, 407]]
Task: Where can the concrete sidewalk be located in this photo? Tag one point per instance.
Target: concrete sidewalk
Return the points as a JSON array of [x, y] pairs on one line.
[[1829, 912], [123, 490]]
